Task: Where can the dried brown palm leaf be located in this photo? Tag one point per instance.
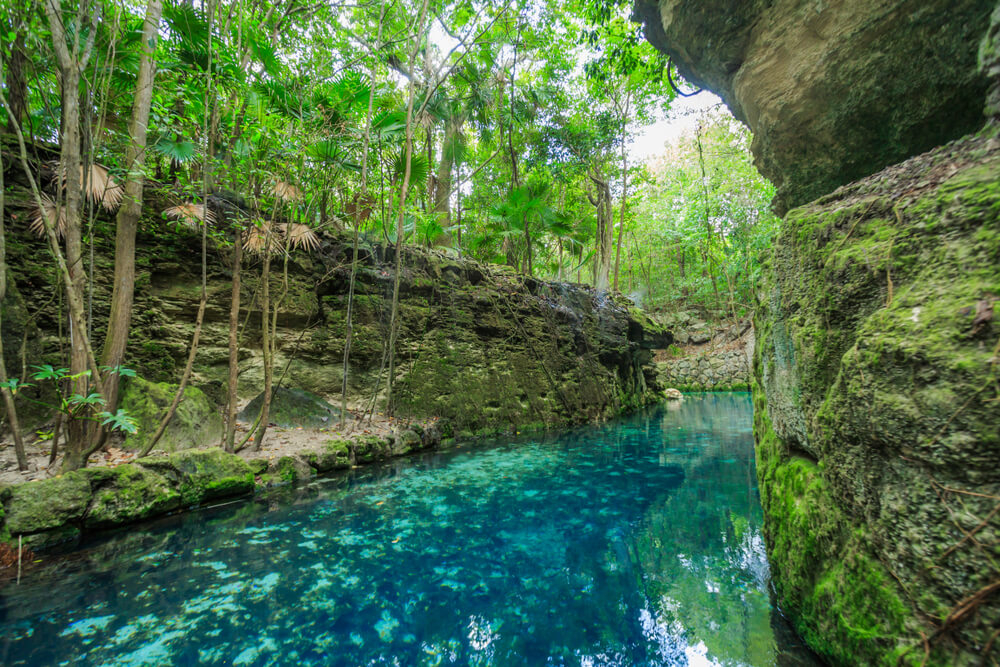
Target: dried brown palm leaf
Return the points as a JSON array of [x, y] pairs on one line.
[[260, 238], [55, 215], [101, 186], [286, 191], [300, 236], [190, 214]]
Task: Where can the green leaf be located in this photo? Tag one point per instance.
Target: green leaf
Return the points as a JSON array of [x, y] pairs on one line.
[[47, 372], [119, 421], [90, 399], [177, 149], [120, 370]]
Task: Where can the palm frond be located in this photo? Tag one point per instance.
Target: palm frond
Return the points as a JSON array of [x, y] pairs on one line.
[[286, 191], [101, 186], [190, 214], [300, 236], [55, 215], [260, 238]]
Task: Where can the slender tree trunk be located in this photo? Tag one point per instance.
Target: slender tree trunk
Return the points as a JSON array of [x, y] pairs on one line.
[[266, 345], [527, 243], [8, 396], [16, 80], [358, 220], [205, 187], [120, 317], [394, 316], [70, 67], [234, 345], [621, 217], [706, 253]]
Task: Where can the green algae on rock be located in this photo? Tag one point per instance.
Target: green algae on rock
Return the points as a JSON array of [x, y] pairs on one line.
[[877, 441]]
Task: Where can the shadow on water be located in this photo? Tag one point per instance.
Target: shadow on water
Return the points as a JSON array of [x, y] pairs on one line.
[[637, 542]]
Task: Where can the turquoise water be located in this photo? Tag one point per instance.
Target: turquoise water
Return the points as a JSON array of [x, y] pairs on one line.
[[637, 542]]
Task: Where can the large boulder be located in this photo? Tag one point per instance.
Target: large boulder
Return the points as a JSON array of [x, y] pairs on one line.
[[876, 412], [292, 408], [833, 91], [196, 423]]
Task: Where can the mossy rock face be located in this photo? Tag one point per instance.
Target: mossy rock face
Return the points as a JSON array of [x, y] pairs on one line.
[[288, 470], [370, 448], [204, 474], [196, 423], [875, 409], [334, 455], [128, 493], [47, 504], [481, 346], [293, 408]]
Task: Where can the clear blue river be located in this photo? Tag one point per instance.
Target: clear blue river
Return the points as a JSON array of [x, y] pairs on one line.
[[637, 542]]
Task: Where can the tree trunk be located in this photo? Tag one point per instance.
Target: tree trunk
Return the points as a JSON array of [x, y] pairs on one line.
[[359, 218], [8, 396], [605, 230], [70, 67], [527, 243], [267, 347], [621, 217], [17, 83], [408, 152], [234, 344], [120, 317]]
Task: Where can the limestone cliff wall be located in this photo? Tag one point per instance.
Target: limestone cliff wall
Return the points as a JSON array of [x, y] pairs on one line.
[[875, 374], [481, 346], [877, 412], [832, 90]]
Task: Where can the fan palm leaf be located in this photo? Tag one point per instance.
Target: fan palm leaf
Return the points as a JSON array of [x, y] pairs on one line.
[[260, 238], [300, 236], [48, 210], [190, 214], [286, 191], [101, 186]]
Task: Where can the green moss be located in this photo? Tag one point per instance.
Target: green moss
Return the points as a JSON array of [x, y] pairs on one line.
[[873, 371], [204, 474], [839, 596], [196, 423], [128, 493], [47, 504]]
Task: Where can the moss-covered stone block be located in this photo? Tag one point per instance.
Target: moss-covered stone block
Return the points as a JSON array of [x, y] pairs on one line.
[[196, 423], [204, 474], [292, 408], [369, 448], [333, 455], [47, 504], [128, 493]]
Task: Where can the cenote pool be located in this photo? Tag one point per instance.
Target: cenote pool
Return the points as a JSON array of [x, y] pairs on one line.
[[637, 542]]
